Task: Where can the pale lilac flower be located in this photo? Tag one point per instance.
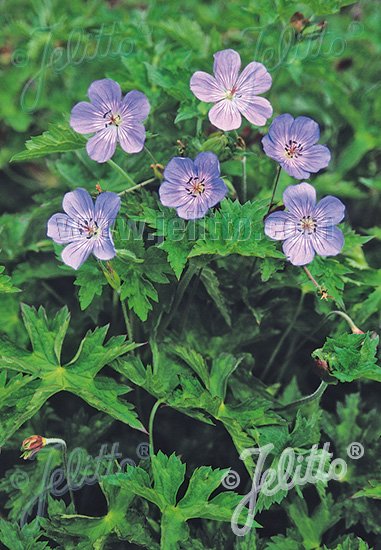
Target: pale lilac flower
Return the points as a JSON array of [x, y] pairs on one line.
[[292, 143], [112, 118], [306, 227], [234, 94], [192, 187], [87, 227]]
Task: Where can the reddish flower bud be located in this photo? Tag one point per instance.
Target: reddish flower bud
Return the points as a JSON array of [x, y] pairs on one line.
[[298, 21], [324, 371], [31, 445]]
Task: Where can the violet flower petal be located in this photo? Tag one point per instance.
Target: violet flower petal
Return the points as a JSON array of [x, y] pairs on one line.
[[135, 105], [179, 170], [254, 80], [105, 94], [104, 248], [102, 145], [329, 211], [280, 226], [207, 166], [225, 115], [216, 192], [132, 137], [62, 229], [77, 252], [327, 241], [305, 130], [172, 194], [206, 88], [79, 205], [315, 158], [86, 119], [279, 130], [293, 168], [194, 209], [300, 199], [106, 209], [257, 109], [226, 67], [298, 249]]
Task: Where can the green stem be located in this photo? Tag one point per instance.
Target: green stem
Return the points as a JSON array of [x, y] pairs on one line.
[[150, 426], [254, 263], [311, 278], [274, 187], [183, 285], [189, 302], [130, 335], [244, 179], [199, 126], [66, 470], [120, 170], [62, 443], [307, 399], [284, 336], [137, 186], [150, 154], [351, 324]]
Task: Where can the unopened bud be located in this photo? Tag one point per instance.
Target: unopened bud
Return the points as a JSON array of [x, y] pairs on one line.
[[216, 143], [324, 371], [31, 445], [158, 170], [111, 276], [299, 22]]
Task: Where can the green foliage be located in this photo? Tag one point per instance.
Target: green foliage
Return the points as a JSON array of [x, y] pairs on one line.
[[312, 527], [25, 538], [60, 138], [121, 521], [351, 356], [168, 475], [226, 324], [91, 281], [236, 229], [6, 283], [40, 374]]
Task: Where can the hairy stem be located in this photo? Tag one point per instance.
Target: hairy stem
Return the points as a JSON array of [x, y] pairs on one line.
[[307, 399], [284, 336], [183, 285], [62, 443], [150, 426], [137, 186], [120, 170], [351, 324], [310, 276], [275, 185], [244, 179], [150, 154], [127, 321]]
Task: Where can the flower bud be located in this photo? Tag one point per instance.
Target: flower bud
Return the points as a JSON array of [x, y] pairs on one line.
[[111, 276], [324, 371], [158, 170], [299, 22], [216, 143], [31, 445]]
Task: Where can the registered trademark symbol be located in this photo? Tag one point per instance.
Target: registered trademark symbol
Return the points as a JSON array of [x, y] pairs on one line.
[[355, 450], [142, 450]]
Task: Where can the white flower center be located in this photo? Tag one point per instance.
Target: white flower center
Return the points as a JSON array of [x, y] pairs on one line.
[[307, 225], [195, 186], [89, 228], [293, 149], [112, 119]]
